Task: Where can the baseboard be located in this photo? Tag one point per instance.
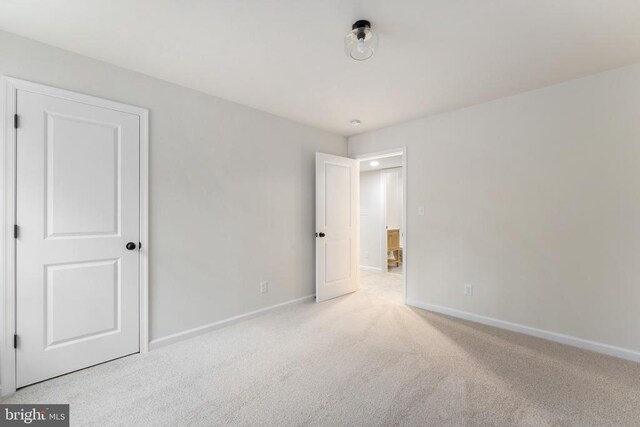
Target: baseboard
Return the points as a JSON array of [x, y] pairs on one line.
[[190, 333], [597, 347], [367, 268]]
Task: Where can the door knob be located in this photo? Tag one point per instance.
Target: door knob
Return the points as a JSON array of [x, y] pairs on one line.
[[131, 246], [321, 234]]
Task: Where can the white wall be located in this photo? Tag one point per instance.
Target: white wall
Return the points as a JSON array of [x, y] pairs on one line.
[[371, 220], [535, 201], [232, 189]]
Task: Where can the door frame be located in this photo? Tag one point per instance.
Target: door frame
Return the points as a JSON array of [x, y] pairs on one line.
[[384, 247], [9, 87], [405, 249]]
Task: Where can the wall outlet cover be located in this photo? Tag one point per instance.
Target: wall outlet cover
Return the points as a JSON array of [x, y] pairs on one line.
[[468, 290], [264, 287]]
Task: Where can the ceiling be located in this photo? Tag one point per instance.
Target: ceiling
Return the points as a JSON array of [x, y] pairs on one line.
[[286, 56], [383, 163]]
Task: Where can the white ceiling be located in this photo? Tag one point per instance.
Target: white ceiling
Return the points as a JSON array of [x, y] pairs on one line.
[[286, 56], [383, 163]]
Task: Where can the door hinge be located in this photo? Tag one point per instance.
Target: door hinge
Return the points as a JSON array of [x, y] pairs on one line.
[[15, 121], [15, 231], [15, 340]]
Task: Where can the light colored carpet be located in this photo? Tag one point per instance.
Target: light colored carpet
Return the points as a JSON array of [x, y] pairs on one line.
[[363, 359], [395, 270]]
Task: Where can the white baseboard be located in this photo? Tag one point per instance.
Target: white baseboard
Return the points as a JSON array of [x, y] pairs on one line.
[[597, 347], [190, 333], [367, 268]]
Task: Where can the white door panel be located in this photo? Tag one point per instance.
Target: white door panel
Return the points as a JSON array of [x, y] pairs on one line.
[[79, 148], [336, 226], [77, 292]]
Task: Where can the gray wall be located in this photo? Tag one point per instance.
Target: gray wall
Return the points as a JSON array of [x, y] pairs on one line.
[[232, 189], [535, 201]]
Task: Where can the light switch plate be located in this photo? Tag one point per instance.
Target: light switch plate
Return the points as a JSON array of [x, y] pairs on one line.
[[420, 210]]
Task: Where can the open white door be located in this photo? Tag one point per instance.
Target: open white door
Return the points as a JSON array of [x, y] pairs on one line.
[[336, 226]]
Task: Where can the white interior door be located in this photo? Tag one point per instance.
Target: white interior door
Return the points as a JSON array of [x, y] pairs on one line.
[[337, 229], [77, 207]]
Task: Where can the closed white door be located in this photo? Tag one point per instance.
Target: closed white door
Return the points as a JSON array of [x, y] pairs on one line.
[[77, 283], [336, 226]]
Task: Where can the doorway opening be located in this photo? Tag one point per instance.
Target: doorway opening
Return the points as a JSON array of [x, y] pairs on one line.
[[383, 248]]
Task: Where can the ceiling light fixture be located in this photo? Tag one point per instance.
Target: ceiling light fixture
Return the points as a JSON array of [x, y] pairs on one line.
[[361, 41], [374, 163], [355, 122]]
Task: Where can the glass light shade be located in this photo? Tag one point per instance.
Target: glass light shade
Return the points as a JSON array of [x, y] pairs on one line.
[[360, 43]]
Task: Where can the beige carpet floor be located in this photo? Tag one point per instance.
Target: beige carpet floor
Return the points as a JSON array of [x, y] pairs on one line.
[[360, 360], [396, 270]]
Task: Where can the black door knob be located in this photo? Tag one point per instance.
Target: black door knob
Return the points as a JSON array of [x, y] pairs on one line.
[[322, 234], [131, 246]]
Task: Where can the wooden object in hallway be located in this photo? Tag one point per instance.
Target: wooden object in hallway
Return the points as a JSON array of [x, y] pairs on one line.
[[393, 245]]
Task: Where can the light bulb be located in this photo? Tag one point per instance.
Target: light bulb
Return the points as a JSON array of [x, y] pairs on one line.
[[361, 41], [374, 163]]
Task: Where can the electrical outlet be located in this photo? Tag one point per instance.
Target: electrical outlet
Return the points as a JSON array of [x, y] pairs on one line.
[[468, 290], [365, 254], [421, 210], [264, 287]]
